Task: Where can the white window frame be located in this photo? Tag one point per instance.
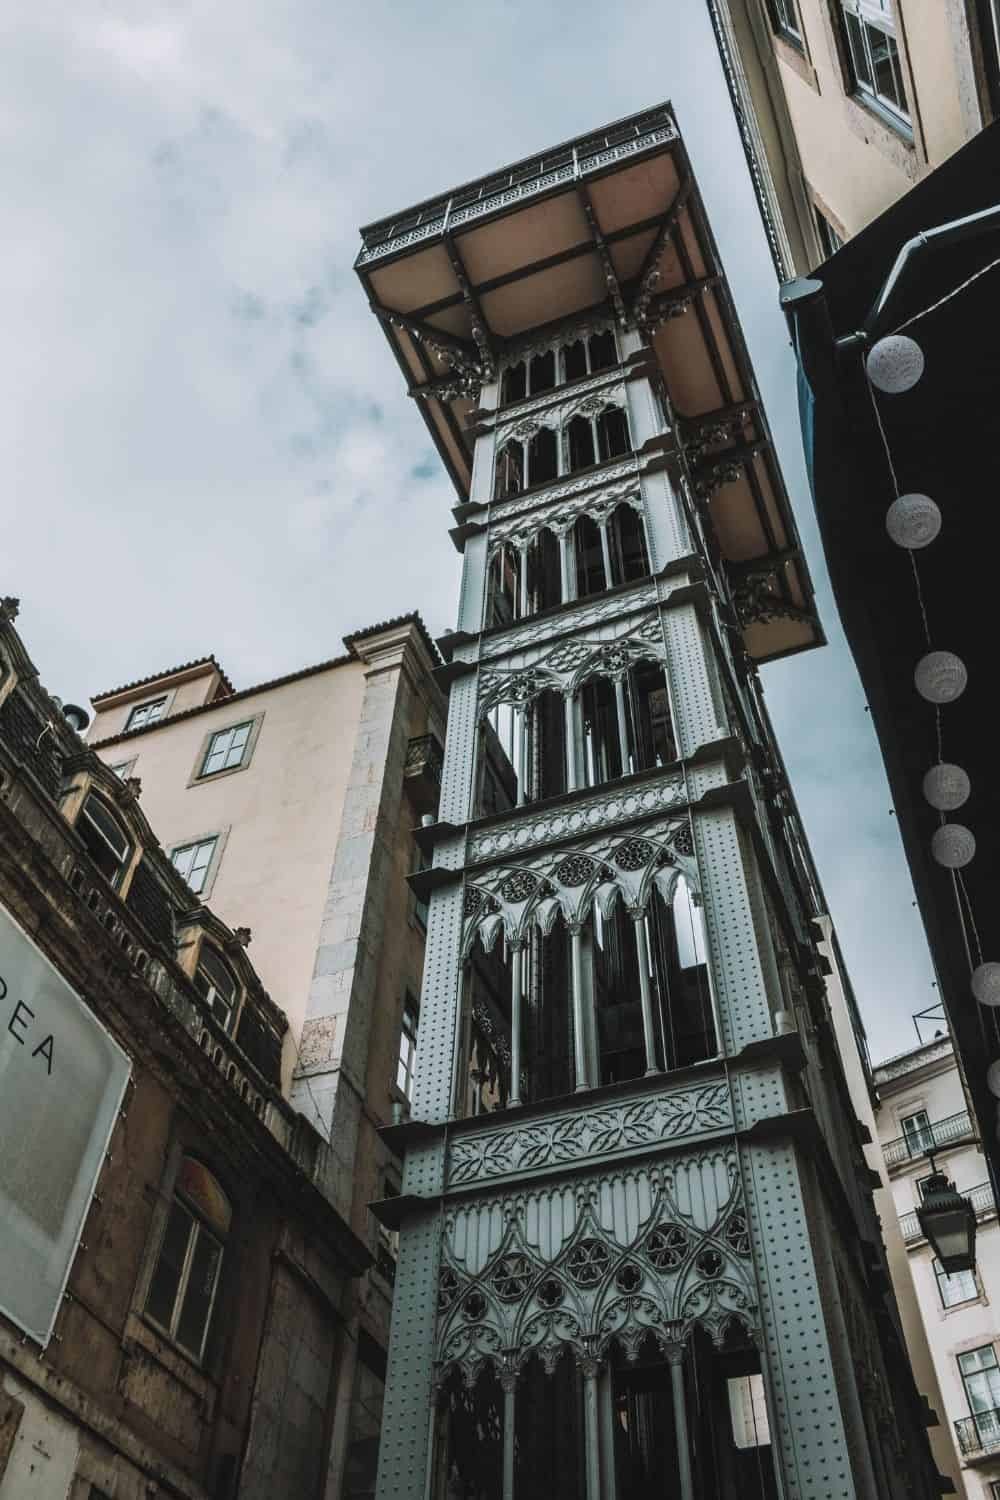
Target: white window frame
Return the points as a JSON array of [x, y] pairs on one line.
[[407, 1053], [140, 708], [123, 860], [198, 1227], [200, 775], [876, 15], [942, 1277], [209, 841], [788, 31]]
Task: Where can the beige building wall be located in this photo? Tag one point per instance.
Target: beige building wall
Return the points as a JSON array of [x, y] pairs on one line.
[[277, 819], [910, 1312], [927, 1079]]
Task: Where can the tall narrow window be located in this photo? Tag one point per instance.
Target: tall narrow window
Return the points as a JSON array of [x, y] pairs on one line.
[[543, 460], [785, 21], [509, 477], [981, 1379], [186, 1275], [612, 433], [407, 1047], [873, 56], [227, 749], [107, 843], [146, 713], [603, 353], [917, 1132], [218, 986], [514, 385], [193, 861], [575, 360], [581, 443]]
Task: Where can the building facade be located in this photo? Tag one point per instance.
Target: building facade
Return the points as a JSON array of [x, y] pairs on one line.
[[291, 806], [844, 104], [176, 1275], [638, 1245], [923, 1113]]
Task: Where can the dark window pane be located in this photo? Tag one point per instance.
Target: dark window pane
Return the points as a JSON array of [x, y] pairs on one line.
[[543, 372], [514, 385], [169, 1265], [575, 360], [198, 1297], [603, 353]]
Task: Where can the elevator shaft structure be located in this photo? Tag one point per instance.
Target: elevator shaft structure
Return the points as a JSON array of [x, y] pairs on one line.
[[638, 1253]]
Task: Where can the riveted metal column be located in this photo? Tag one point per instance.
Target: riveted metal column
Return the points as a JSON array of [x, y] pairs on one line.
[[675, 1356], [572, 781], [622, 724], [579, 1033], [509, 1385], [645, 991], [602, 527], [515, 1023], [591, 1428]]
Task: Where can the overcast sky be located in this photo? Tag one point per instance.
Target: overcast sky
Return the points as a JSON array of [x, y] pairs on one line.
[[206, 444]]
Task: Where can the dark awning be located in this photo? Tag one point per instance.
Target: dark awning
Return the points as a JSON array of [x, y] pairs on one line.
[[943, 437]]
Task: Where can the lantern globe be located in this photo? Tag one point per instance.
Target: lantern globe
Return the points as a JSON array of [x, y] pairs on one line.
[[946, 787], [913, 521], [953, 845], [895, 364], [986, 984], [940, 677]]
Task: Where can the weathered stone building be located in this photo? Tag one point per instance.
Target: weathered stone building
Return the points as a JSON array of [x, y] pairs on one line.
[[204, 1344]]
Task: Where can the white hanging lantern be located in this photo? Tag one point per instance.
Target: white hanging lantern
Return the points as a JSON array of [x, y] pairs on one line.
[[895, 364], [913, 521], [986, 988], [940, 677], [953, 845], [946, 787], [993, 1079]]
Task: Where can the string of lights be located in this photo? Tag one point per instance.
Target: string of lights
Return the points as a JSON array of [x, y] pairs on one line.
[[895, 364]]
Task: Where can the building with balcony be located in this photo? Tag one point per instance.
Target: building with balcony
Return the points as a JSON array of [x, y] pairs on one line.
[[844, 104], [923, 1113], [176, 1275], [290, 807], [638, 1247]]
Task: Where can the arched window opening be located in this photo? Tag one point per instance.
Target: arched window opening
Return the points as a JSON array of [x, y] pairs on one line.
[[574, 360], [503, 587], [509, 478], [651, 731], [542, 372], [728, 1419], [645, 1440], [483, 1082], [621, 1039], [612, 433], [548, 1426], [580, 438], [679, 953], [627, 539], [217, 985], [606, 733], [497, 792], [602, 350], [548, 1015], [543, 457], [544, 573], [185, 1278], [548, 745], [468, 1457], [589, 557], [514, 383], [107, 843]]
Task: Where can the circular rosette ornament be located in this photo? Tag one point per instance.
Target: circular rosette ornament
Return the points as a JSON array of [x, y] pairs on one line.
[[895, 364]]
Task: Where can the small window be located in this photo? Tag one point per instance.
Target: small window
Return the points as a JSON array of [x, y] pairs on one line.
[[407, 1047], [186, 1276], [603, 353], [917, 1133], [873, 56], [420, 909], [981, 1379], [217, 985], [107, 843], [829, 239], [959, 1287], [748, 1411], [122, 769], [581, 444], [193, 862], [514, 385], [146, 713], [542, 372], [388, 1239], [612, 433], [226, 749], [574, 360], [785, 21]]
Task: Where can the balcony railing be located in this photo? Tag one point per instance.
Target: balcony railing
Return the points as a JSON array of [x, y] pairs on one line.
[[980, 1434], [929, 1138], [981, 1198]]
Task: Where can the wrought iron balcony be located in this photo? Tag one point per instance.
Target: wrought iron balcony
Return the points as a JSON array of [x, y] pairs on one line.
[[931, 1137], [979, 1435], [981, 1198], [523, 180]]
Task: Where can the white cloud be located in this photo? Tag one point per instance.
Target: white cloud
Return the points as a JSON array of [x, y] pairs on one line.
[[205, 442]]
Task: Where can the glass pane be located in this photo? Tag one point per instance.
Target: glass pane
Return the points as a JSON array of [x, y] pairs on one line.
[[213, 975], [196, 1182], [201, 858], [959, 1287], [748, 1411], [237, 744], [102, 820], [882, 48], [221, 1010], [169, 1265], [859, 59], [193, 1321]]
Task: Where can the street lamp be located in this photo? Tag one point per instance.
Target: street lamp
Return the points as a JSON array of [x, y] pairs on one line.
[[948, 1222]]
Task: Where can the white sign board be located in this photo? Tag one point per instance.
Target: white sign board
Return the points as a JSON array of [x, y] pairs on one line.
[[62, 1077]]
